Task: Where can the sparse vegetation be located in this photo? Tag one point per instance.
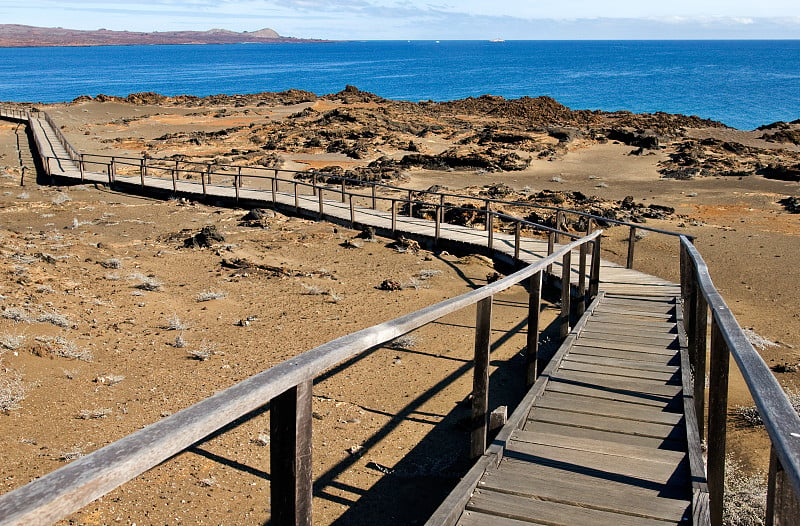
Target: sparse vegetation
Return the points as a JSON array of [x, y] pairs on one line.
[[174, 323], [61, 198], [64, 348], [756, 340], [149, 283], [54, 318], [11, 342], [210, 296], [745, 498], [180, 343], [94, 414], [203, 352], [750, 415], [313, 290], [12, 392], [406, 341], [113, 263]]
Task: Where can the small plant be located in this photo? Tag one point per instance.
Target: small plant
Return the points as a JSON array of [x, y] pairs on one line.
[[555, 179], [11, 342], [12, 392], [756, 340], [262, 440], [751, 416], [109, 379], [149, 283], [64, 348], [94, 414], [174, 323], [428, 274], [61, 198], [640, 234], [54, 318], [207, 482], [210, 296], [113, 263], [16, 314], [203, 352], [406, 341], [73, 454], [180, 343], [313, 290], [23, 195]]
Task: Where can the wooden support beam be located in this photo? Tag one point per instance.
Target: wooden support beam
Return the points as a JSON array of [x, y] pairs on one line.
[[532, 349], [631, 246], [717, 421], [290, 457], [480, 382], [565, 295], [783, 508]]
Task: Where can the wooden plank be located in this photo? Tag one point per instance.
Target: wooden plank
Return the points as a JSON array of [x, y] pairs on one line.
[[606, 447], [603, 423], [609, 408], [621, 336], [559, 386], [653, 356], [522, 457], [547, 512], [653, 501], [667, 377], [622, 385], [596, 434], [627, 346], [476, 518], [619, 363]]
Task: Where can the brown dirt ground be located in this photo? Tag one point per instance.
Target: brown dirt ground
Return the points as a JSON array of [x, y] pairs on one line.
[[387, 402]]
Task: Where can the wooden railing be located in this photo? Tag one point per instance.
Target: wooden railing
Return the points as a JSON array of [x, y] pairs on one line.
[[700, 297], [287, 389], [14, 113]]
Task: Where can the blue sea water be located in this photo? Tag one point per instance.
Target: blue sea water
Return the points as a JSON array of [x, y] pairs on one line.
[[742, 83]]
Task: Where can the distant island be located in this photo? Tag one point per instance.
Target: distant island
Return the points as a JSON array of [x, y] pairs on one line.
[[15, 35]]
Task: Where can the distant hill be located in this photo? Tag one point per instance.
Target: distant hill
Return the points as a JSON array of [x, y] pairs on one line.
[[14, 35]]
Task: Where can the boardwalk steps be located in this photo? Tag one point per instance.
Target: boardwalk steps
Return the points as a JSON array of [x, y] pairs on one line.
[[605, 443]]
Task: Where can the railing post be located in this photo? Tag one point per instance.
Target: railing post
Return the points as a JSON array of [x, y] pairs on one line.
[[208, 173], [532, 349], [550, 247], [319, 198], [236, 186], [394, 216], [352, 212], [174, 181], [344, 190], [517, 239], [580, 307], [374, 196], [480, 382], [565, 294], [631, 246], [274, 191], [142, 169], [717, 422], [81, 167], [438, 230], [290, 457], [203, 181], [410, 203], [296, 199], [489, 229], [314, 184], [594, 278], [239, 177], [783, 508], [557, 235], [110, 171]]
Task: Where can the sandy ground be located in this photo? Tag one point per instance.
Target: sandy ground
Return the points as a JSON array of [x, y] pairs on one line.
[[378, 413]]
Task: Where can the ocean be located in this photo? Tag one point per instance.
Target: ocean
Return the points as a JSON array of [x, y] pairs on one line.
[[742, 83]]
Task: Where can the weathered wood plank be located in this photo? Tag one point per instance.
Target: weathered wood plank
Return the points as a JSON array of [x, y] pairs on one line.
[[609, 408], [596, 434], [622, 395], [602, 446], [546, 512], [654, 501], [668, 377], [625, 346], [648, 355], [603, 423], [622, 363], [630, 385]]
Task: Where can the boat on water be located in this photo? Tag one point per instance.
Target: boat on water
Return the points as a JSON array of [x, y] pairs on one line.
[[496, 40]]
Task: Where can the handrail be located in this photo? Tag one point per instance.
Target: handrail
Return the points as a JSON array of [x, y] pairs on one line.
[[286, 387], [780, 418]]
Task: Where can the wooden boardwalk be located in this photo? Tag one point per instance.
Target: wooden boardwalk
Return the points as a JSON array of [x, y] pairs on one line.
[[602, 438], [605, 442]]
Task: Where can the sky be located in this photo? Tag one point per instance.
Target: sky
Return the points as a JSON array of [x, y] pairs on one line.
[[432, 19]]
